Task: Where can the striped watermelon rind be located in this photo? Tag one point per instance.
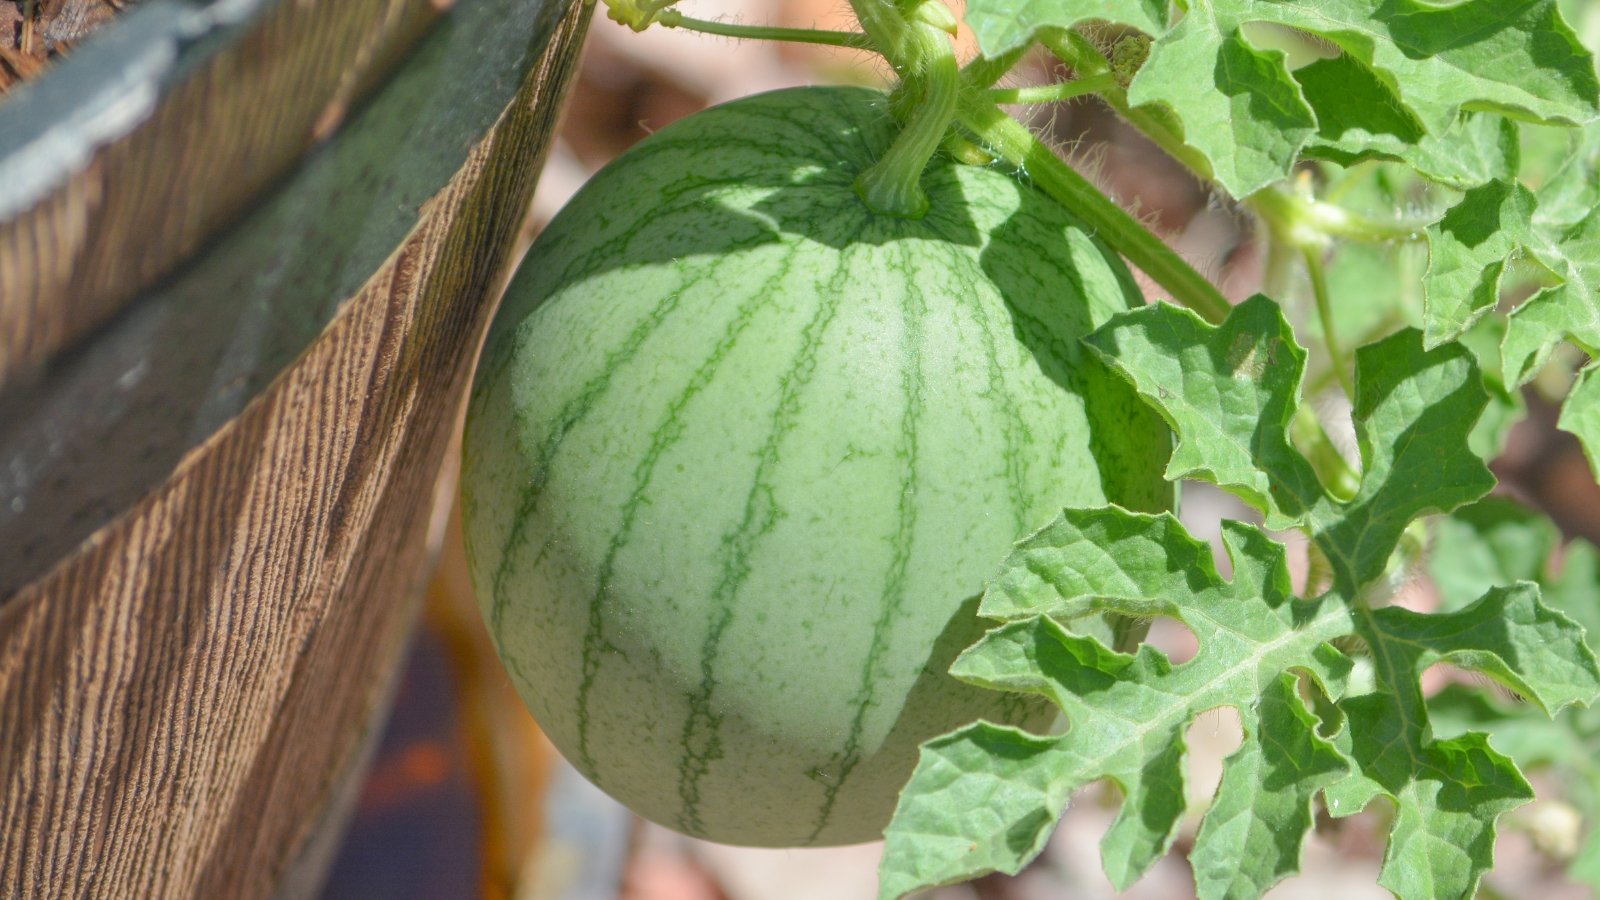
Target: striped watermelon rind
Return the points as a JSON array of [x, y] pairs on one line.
[[741, 455]]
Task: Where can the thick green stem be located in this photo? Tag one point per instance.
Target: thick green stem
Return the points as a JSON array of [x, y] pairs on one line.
[[893, 185], [1075, 50], [924, 57], [1011, 141], [983, 72], [888, 31]]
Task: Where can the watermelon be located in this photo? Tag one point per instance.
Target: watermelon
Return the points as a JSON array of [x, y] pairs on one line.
[[741, 455]]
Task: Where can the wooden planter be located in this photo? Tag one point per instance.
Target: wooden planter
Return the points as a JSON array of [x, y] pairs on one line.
[[247, 253]]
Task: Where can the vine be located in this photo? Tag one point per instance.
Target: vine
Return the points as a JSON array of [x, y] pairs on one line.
[[1327, 684]]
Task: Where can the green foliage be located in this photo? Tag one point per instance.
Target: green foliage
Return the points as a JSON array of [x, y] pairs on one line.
[[1498, 540], [1550, 234], [1580, 414], [1397, 87], [1433, 171], [1228, 391], [1470, 248]]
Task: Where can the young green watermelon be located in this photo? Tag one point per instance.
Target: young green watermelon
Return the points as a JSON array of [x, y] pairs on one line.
[[742, 454]]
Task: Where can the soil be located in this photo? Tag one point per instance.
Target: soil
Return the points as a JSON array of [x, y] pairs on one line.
[[33, 33]]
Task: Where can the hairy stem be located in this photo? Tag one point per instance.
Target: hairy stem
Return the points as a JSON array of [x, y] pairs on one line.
[[1009, 140], [854, 40], [1052, 93], [922, 53], [1076, 51], [983, 72], [889, 32], [893, 185]]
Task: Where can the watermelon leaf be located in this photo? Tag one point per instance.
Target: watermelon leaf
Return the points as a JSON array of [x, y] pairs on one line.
[[1494, 224], [1570, 309], [1005, 25], [1359, 118], [1441, 60], [1567, 184], [1128, 713], [1406, 71], [1228, 391], [1555, 228], [1504, 538], [1580, 414], [1469, 249], [1238, 104]]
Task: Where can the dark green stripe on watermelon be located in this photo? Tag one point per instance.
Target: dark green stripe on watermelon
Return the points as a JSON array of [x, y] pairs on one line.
[[742, 454]]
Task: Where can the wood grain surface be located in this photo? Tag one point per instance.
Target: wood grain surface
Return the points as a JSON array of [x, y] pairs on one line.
[[179, 696], [220, 134]]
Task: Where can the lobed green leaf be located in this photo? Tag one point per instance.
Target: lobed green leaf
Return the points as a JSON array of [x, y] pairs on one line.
[[1498, 537], [1128, 713], [1468, 251], [1005, 25], [1393, 81], [1554, 234], [1359, 118], [1229, 391]]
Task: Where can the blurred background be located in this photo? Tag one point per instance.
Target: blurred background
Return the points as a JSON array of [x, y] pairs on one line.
[[465, 799]]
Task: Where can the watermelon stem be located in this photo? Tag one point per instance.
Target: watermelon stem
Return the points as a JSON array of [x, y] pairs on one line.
[[851, 40], [1053, 93], [641, 14], [920, 49], [1323, 297], [984, 71], [1307, 221], [1009, 140], [892, 33]]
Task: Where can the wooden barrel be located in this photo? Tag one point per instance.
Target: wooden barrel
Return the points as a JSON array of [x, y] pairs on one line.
[[248, 251]]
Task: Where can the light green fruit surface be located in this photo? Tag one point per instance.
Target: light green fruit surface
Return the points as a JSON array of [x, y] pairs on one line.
[[742, 454]]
